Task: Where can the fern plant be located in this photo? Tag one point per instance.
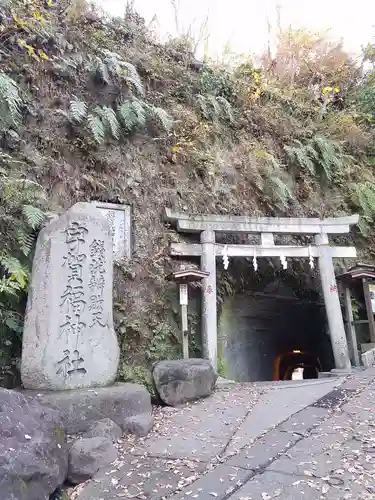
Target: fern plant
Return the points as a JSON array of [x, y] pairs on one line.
[[111, 65], [21, 213], [275, 182], [132, 115], [96, 127], [298, 154], [215, 108], [135, 114], [109, 120], [10, 103], [162, 118], [329, 155], [22, 205], [362, 195], [129, 116], [66, 67], [320, 156], [278, 190], [77, 111]]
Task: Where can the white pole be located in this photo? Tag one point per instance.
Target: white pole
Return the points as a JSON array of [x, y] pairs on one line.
[[184, 320]]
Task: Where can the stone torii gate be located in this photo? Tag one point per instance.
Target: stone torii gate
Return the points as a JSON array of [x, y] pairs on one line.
[[208, 250]]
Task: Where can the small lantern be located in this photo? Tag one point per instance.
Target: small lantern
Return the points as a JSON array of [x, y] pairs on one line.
[[183, 277]]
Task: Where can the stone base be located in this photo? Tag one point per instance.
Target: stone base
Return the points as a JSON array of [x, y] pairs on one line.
[[80, 408], [335, 372], [326, 375], [341, 372], [224, 381]]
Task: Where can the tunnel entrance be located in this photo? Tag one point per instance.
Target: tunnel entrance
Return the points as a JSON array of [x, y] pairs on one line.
[[296, 365], [272, 325], [257, 331]]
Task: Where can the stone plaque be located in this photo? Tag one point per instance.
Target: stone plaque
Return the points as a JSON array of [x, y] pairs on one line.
[[119, 220], [69, 341]]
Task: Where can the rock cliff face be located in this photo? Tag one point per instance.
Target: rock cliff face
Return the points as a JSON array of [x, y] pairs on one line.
[[104, 112]]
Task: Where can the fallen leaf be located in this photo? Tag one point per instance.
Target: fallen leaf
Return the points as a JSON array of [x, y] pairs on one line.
[[325, 488]]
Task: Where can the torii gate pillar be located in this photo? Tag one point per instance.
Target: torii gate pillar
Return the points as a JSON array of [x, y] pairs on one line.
[[332, 304], [209, 312]]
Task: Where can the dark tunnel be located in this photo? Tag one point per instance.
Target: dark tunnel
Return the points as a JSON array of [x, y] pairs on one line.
[[286, 364], [261, 327]]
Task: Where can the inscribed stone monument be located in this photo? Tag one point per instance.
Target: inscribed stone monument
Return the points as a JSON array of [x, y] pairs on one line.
[[69, 341]]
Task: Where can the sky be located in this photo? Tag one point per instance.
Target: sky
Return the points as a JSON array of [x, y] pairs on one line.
[[242, 23]]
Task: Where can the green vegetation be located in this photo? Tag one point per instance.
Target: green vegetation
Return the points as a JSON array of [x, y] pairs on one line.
[[21, 215], [215, 108], [129, 115], [319, 155], [10, 103], [95, 108]]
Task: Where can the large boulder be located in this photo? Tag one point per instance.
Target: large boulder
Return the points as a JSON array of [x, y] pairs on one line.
[[33, 451], [87, 456], [104, 428], [179, 381], [82, 407], [140, 425]]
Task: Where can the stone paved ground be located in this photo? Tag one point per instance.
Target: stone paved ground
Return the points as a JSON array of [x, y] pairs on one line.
[[211, 448], [332, 460]]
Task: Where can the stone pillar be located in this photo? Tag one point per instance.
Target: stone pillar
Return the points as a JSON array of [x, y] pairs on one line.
[[370, 314], [69, 341], [332, 304], [209, 313], [351, 335]]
